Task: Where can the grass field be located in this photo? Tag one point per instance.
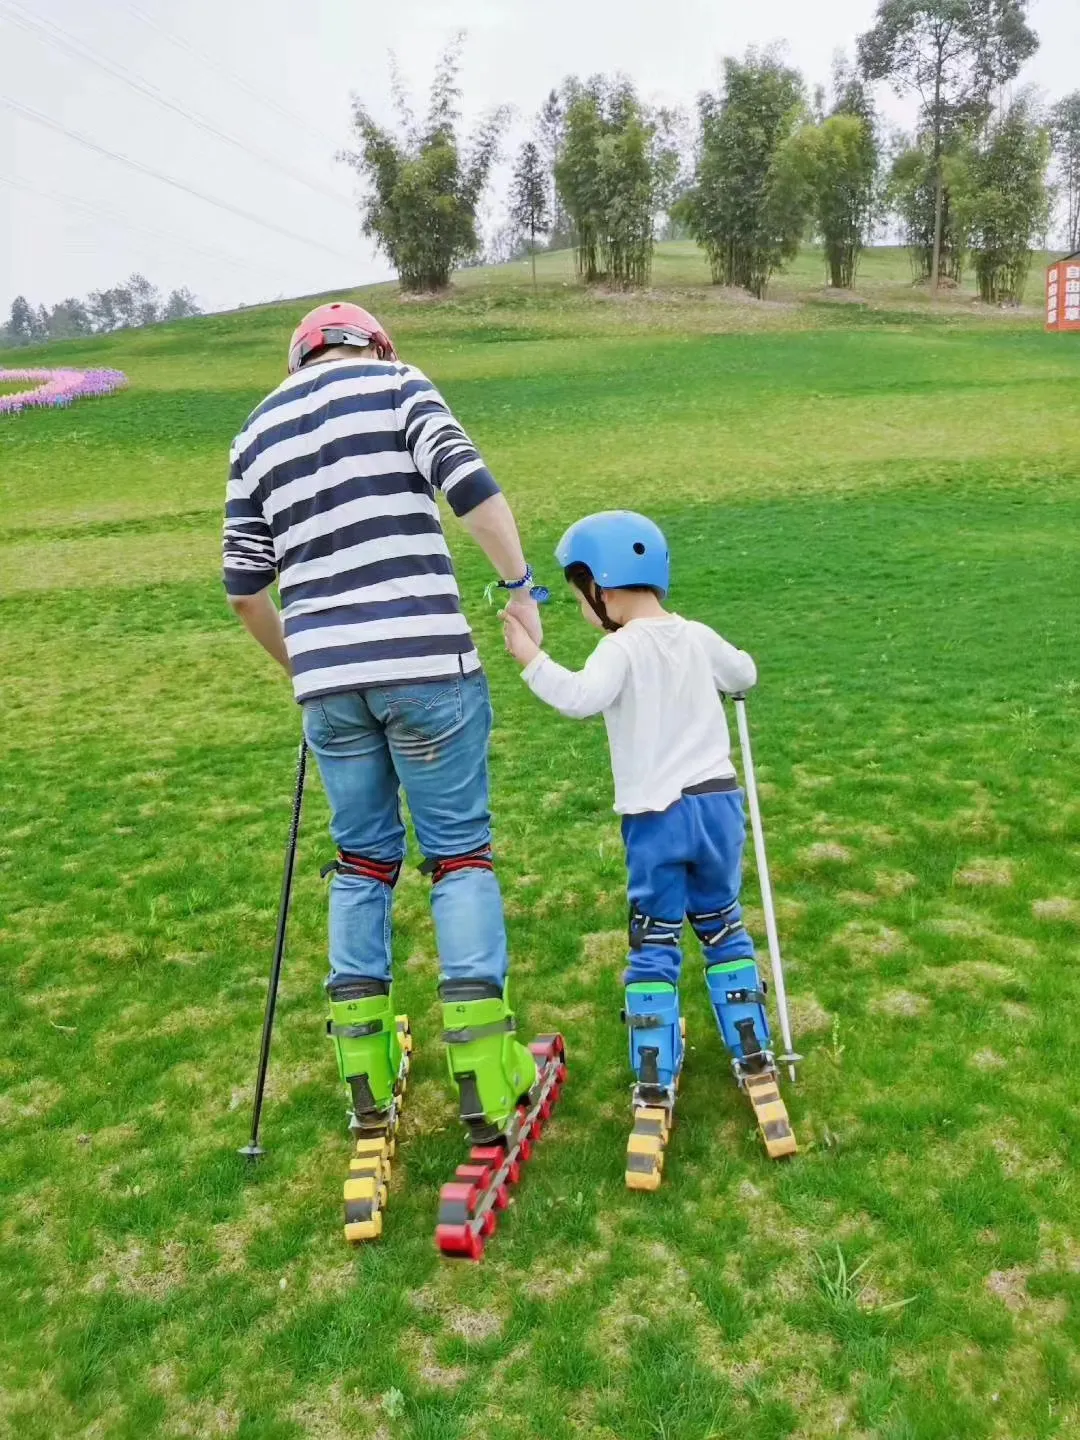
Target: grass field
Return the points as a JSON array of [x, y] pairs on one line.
[[880, 501]]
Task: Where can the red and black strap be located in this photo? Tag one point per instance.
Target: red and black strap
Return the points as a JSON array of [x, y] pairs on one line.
[[442, 866], [384, 872]]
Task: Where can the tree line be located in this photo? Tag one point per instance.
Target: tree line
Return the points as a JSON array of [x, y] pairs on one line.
[[763, 165], [121, 307]]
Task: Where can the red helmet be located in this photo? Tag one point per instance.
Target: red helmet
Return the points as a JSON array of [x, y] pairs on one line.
[[338, 323]]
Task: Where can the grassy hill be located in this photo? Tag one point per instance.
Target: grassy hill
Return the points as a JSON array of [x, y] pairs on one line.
[[879, 500], [884, 277]]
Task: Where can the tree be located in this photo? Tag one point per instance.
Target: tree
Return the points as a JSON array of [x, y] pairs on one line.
[[744, 208], [1065, 136], [69, 319], [180, 305], [837, 163], [103, 311], [551, 132], [146, 307], [1008, 200], [22, 325], [577, 173], [529, 198], [614, 174], [912, 193], [423, 184], [137, 302], [952, 54]]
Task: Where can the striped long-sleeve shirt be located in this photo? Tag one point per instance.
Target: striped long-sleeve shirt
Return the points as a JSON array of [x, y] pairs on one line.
[[332, 491]]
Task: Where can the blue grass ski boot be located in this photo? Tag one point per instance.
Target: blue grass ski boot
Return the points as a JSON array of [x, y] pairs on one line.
[[373, 1048], [738, 996], [657, 1043]]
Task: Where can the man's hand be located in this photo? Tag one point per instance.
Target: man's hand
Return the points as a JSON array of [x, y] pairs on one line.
[[491, 525], [519, 643], [526, 612]]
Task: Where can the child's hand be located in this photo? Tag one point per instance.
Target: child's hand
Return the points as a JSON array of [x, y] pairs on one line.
[[519, 643]]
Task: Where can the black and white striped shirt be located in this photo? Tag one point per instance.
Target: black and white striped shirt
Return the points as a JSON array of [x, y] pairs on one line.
[[332, 489]]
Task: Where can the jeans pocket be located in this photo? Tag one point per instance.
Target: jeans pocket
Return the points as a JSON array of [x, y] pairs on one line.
[[427, 712], [317, 727]]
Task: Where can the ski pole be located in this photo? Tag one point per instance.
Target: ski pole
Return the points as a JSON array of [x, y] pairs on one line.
[[253, 1150], [764, 882]]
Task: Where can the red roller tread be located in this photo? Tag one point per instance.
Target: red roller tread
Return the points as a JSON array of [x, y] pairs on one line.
[[455, 1190], [459, 1240], [478, 1175], [472, 1179]]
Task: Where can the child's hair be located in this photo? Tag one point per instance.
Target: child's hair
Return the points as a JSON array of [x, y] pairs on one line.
[[581, 577]]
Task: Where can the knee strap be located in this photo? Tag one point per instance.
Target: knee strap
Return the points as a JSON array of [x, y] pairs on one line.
[[713, 927], [647, 930], [439, 867], [384, 872]]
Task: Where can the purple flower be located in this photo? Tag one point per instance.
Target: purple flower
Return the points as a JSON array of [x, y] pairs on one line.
[[57, 387]]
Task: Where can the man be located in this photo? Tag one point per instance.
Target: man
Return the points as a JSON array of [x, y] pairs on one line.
[[332, 493]]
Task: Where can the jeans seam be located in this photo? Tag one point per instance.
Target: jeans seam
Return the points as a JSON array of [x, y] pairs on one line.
[[331, 732], [388, 900]]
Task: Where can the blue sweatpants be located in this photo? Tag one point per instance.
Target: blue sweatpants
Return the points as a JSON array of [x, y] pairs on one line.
[[685, 861]]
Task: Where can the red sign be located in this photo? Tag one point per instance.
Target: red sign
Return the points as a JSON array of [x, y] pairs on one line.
[[1063, 294]]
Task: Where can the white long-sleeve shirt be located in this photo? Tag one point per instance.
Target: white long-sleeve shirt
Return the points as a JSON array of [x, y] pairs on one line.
[[655, 682]]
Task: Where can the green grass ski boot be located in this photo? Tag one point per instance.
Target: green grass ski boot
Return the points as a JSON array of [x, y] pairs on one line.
[[492, 1071], [507, 1092]]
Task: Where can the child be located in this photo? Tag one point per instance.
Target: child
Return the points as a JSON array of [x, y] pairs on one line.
[[654, 678]]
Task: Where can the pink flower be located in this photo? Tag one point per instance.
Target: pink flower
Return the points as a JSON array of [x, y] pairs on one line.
[[57, 387]]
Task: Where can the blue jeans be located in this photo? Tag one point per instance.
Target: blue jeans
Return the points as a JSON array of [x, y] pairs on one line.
[[685, 861], [431, 739]]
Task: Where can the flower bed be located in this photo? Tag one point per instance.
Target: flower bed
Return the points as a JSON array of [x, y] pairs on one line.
[[57, 387]]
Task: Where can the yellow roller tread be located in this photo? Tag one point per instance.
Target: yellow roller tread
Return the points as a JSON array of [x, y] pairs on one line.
[[642, 1180], [656, 1115], [369, 1170], [777, 1149], [366, 1157], [644, 1144], [773, 1110], [361, 1187], [760, 1095], [369, 1165], [769, 1109], [359, 1230]]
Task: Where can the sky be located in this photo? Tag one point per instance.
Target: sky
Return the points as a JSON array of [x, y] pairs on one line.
[[250, 101]]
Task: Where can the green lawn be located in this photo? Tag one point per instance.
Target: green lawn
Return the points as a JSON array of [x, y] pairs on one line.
[[880, 502]]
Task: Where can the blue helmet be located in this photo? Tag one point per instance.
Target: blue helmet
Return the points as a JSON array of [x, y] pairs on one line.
[[620, 548]]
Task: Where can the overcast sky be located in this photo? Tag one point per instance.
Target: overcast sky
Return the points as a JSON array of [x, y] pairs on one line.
[[230, 62]]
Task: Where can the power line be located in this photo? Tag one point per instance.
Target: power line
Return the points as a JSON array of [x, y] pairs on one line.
[[98, 212], [292, 116], [49, 123], [61, 40]]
